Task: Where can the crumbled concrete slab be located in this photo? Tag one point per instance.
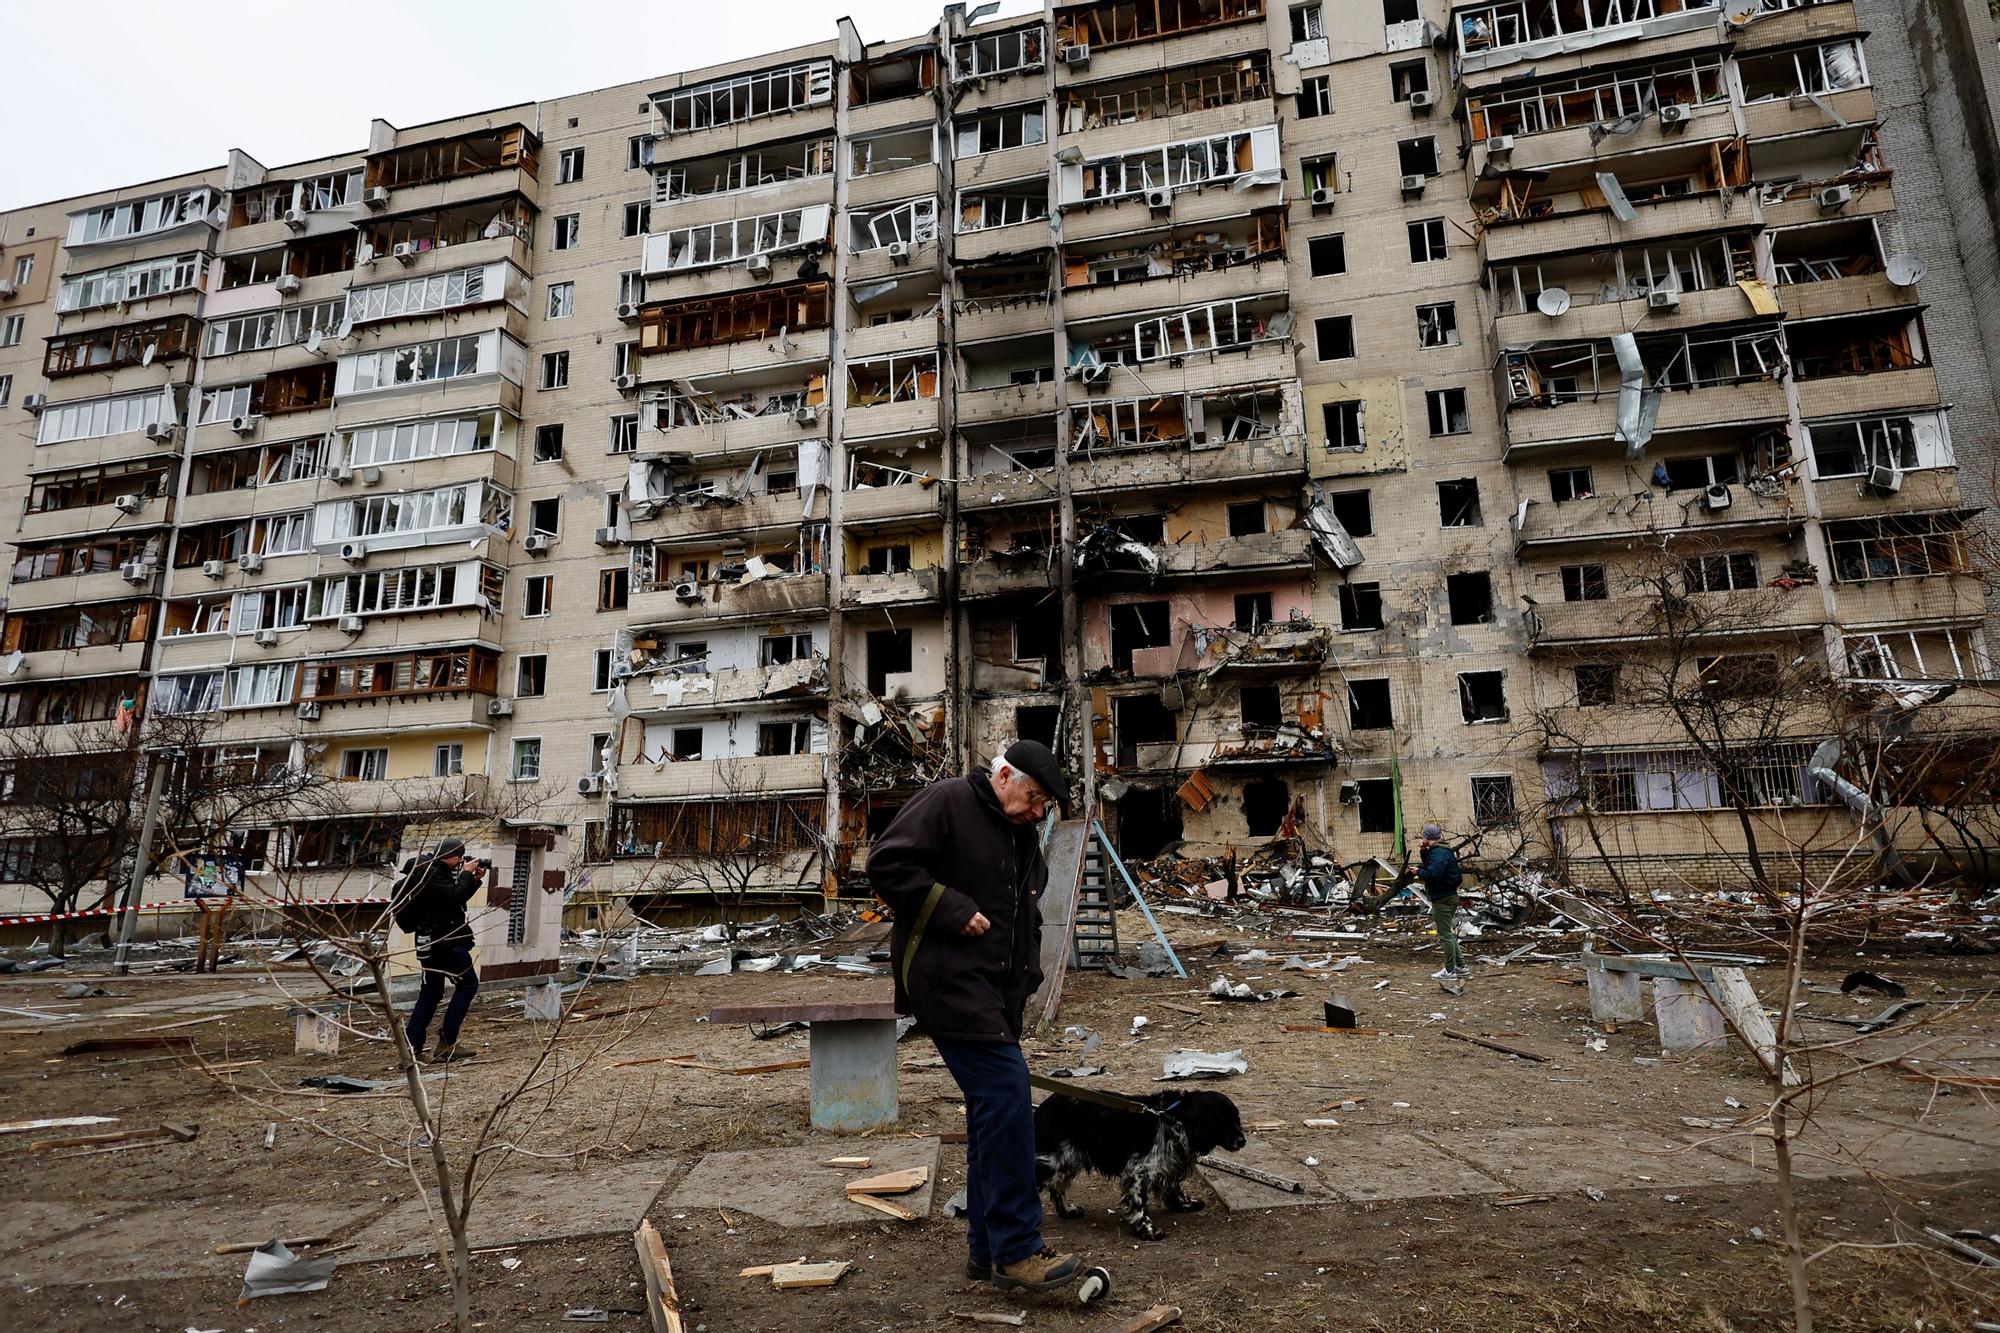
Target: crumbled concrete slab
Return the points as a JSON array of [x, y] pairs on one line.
[[173, 1239], [524, 1204], [1567, 1157], [789, 1187], [1841, 1146], [1240, 1195], [1397, 1164]]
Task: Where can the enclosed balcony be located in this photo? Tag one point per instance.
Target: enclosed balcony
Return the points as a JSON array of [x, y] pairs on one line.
[[121, 346], [1492, 35], [1534, 124], [480, 153]]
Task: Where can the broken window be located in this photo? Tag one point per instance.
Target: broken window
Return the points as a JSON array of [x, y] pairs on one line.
[[891, 559], [1360, 606], [1733, 571], [772, 313], [136, 281], [1596, 685], [1138, 625], [549, 443], [1140, 719], [1177, 166], [1368, 706], [1355, 510], [734, 240], [1818, 70], [780, 738], [569, 166], [907, 221], [1206, 328], [1437, 325], [1493, 801], [1418, 157], [1447, 412], [1036, 641], [638, 218], [1253, 611], [746, 169], [538, 595], [1315, 97], [686, 742], [1904, 547], [555, 370], [544, 516], [890, 653], [1307, 24], [892, 379], [1246, 519], [996, 131], [567, 231], [531, 675], [614, 588], [1326, 256], [1482, 696], [1261, 708], [1333, 337], [1470, 598], [1037, 722], [907, 73], [1596, 97], [1003, 206], [1376, 802], [1570, 483], [639, 151], [1584, 583], [747, 96], [1265, 804], [562, 300], [1855, 448], [1343, 421], [1458, 503], [778, 649], [1409, 76], [1001, 53], [1427, 241], [141, 217]]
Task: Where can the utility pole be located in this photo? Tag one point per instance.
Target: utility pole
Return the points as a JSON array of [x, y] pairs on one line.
[[128, 914]]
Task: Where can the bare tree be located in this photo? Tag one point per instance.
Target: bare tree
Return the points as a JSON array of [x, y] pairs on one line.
[[66, 810]]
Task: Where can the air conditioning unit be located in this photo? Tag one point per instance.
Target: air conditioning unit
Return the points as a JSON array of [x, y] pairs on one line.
[[1666, 298], [1885, 480], [628, 312], [625, 383], [606, 537], [590, 785], [1350, 793], [247, 423], [1322, 200], [34, 403], [1675, 115], [1717, 497], [161, 432], [288, 285], [370, 476], [350, 624], [354, 553], [1098, 374], [1414, 184], [403, 252], [249, 562], [135, 571], [215, 569], [1422, 100], [1076, 57], [806, 413], [1833, 197], [340, 474], [687, 592], [899, 252], [499, 708], [295, 218], [1160, 200], [265, 638], [309, 711], [376, 196], [129, 504], [536, 543], [758, 265], [1500, 145]]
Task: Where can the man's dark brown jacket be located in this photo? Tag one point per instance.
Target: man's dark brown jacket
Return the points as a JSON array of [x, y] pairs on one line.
[[953, 834]]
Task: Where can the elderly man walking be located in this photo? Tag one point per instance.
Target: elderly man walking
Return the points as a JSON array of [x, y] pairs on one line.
[[962, 867]]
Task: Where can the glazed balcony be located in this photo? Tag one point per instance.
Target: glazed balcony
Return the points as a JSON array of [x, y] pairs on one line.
[[711, 778], [1925, 490]]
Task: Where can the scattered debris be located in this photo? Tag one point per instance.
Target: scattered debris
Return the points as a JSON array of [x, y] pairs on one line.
[[849, 1163], [803, 1276], [1339, 1011], [347, 1083], [887, 1207], [55, 1122], [991, 1317], [182, 1133], [274, 1270], [1148, 1321], [892, 1182], [1871, 981], [289, 1242], [1276, 1182], [1222, 989], [1491, 1045], [663, 1302], [1202, 1064]]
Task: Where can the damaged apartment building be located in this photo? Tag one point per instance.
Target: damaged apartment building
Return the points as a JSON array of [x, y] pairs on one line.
[[1265, 405]]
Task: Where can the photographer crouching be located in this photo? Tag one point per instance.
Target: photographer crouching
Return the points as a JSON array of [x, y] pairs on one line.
[[429, 903]]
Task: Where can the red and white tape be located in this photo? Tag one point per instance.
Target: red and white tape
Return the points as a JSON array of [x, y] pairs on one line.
[[35, 919]]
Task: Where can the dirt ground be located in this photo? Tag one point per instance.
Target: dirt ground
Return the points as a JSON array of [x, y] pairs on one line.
[[1466, 1189]]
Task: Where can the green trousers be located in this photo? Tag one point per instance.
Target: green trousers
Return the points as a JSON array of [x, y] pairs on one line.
[[1443, 909]]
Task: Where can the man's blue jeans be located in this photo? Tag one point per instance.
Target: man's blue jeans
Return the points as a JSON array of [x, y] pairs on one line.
[[1003, 1205], [442, 962]]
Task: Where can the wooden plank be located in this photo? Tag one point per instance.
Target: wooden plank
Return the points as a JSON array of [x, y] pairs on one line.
[[887, 1207], [890, 1182], [686, 1062], [186, 1023], [159, 1131], [1350, 1032], [1148, 1321], [663, 1302], [802, 1276], [1490, 1045], [59, 1122], [102, 1045], [850, 1163], [289, 1242], [765, 1270]]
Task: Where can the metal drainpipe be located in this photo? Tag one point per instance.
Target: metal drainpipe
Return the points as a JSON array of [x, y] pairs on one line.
[[957, 662], [836, 467]]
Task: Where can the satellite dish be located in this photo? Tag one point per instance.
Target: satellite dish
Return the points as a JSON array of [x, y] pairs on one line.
[[1552, 302], [312, 342], [146, 357], [1904, 270], [346, 329]]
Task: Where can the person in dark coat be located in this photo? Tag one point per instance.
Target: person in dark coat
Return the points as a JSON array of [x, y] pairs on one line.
[[430, 904], [961, 866], [1439, 870]]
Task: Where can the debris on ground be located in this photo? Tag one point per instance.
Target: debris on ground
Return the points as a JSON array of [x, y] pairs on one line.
[[275, 1271], [1202, 1064], [802, 1276]]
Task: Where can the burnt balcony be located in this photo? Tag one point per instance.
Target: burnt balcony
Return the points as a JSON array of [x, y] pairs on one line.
[[778, 597], [1639, 620], [683, 685]]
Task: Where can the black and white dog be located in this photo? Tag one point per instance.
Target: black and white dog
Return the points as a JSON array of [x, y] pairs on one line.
[[1148, 1152]]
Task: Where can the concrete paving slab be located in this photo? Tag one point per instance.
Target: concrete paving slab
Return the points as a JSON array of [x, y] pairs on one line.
[[163, 1240], [1831, 1145], [1541, 1158], [525, 1204], [28, 1224], [1397, 1164], [789, 1187], [1288, 1160]]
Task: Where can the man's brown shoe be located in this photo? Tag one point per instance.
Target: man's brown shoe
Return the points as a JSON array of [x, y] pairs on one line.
[[1038, 1272]]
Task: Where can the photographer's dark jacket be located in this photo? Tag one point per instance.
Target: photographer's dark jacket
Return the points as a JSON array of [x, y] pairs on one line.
[[953, 836], [431, 899]]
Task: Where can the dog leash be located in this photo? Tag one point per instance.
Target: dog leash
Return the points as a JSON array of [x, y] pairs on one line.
[[1116, 1101]]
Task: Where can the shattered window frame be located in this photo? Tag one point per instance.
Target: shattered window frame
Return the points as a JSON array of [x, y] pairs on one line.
[[1374, 712], [1482, 697], [1584, 583], [1448, 412], [1360, 607], [1326, 255]]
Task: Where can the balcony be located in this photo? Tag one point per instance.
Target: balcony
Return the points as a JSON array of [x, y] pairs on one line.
[[1824, 21], [1004, 402], [1597, 228], [110, 659], [872, 420], [874, 504], [990, 576], [1636, 620], [1114, 471], [802, 349], [1288, 549], [766, 599], [1602, 319], [1923, 490], [697, 521], [1914, 388], [1782, 116], [1174, 292], [1173, 32], [717, 779], [1864, 293], [667, 690], [907, 587], [393, 714], [77, 590], [1560, 147], [1939, 598], [1188, 209], [1585, 420], [1272, 652], [1262, 362], [1496, 35], [94, 519], [1618, 519], [1001, 490], [1287, 746]]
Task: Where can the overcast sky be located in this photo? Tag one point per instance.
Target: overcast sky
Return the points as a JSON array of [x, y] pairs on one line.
[[119, 91]]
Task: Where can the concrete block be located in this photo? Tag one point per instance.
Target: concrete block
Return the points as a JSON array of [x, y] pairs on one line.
[[853, 1075], [543, 1000], [1685, 1017], [317, 1031], [1616, 996], [1746, 1011]]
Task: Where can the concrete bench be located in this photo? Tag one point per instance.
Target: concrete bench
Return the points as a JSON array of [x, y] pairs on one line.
[[852, 1044], [1685, 1001]]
